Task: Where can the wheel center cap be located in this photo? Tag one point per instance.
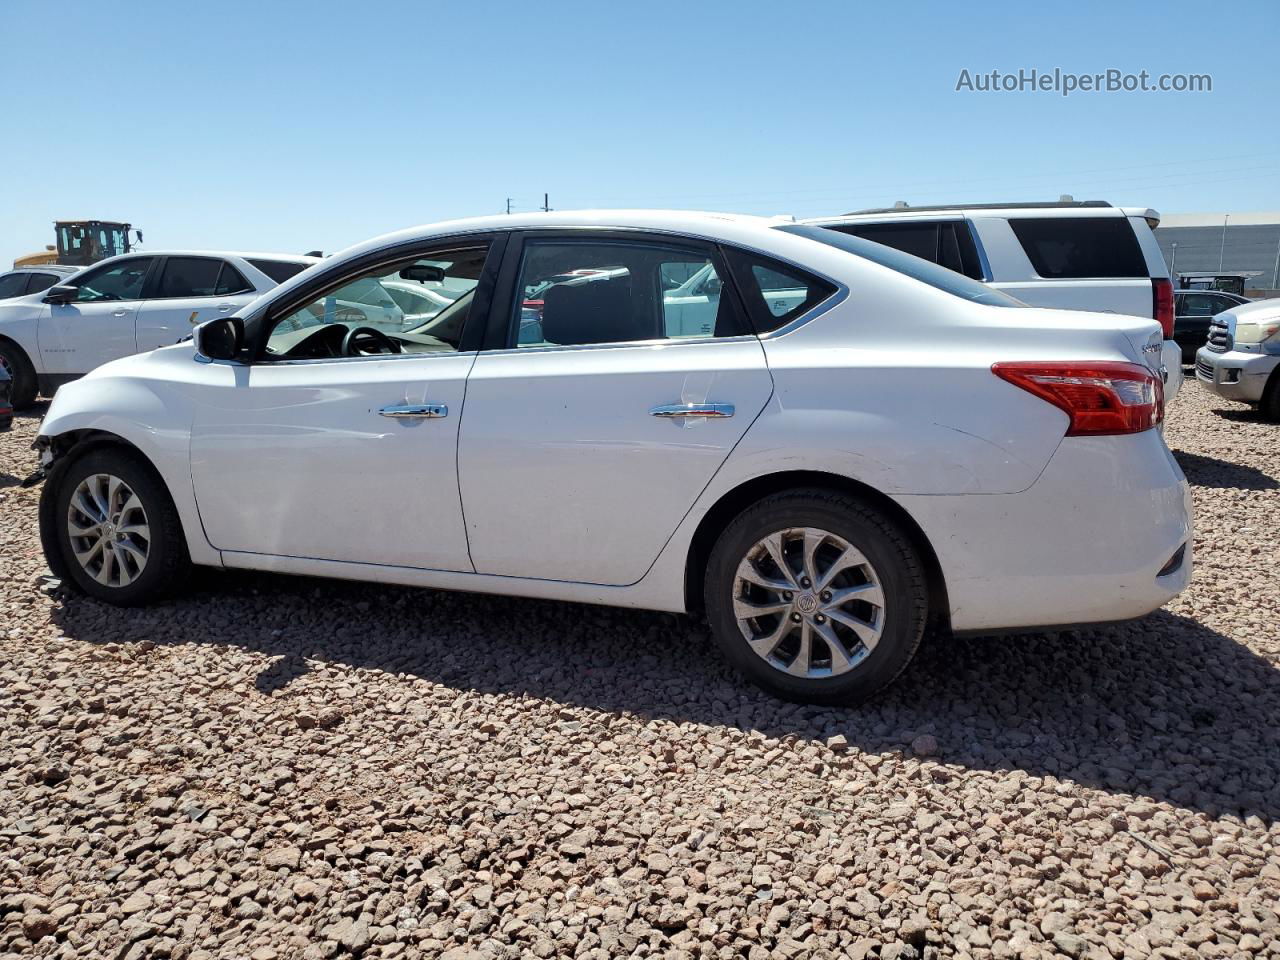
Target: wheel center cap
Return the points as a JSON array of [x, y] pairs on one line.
[[806, 603]]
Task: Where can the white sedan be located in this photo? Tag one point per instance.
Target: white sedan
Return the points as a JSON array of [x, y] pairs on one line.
[[858, 442]]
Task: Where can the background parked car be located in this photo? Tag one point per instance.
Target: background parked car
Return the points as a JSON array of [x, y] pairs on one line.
[[24, 280], [6, 405], [1077, 255], [126, 305], [1193, 309], [1241, 361]]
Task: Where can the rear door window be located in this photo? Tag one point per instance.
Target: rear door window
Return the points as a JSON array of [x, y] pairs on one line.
[[42, 281], [575, 292], [1069, 248], [188, 277]]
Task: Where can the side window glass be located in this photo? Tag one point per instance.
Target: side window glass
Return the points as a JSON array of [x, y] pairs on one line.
[[579, 293], [188, 277], [1063, 248], [13, 285], [231, 282], [119, 281], [42, 281], [776, 293], [918, 239], [418, 305]]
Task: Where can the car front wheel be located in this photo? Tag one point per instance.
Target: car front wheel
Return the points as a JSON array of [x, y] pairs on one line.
[[117, 528], [816, 596]]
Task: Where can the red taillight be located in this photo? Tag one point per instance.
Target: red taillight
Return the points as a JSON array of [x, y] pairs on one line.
[[1162, 305], [1101, 397]]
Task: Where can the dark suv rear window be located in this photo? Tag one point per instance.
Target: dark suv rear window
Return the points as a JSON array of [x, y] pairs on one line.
[[280, 270], [1065, 248]]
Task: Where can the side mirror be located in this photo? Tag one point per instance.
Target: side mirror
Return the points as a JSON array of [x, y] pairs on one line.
[[220, 339], [61, 293]]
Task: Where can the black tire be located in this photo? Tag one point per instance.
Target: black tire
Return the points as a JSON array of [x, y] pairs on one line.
[[897, 566], [167, 562], [1270, 405], [22, 392]]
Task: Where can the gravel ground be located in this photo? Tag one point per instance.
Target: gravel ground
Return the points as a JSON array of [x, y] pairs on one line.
[[273, 767]]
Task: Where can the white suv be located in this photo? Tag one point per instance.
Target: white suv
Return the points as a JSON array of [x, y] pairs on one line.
[[1079, 255], [857, 442], [126, 305]]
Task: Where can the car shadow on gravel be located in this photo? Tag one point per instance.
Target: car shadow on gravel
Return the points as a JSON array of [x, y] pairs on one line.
[[1202, 471], [1163, 707]]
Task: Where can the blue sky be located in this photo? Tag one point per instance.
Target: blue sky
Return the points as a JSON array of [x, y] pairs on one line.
[[292, 126]]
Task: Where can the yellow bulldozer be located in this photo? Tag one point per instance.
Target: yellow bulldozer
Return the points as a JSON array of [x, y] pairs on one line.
[[82, 242]]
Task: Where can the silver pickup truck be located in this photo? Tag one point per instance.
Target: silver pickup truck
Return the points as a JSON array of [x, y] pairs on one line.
[[1241, 361]]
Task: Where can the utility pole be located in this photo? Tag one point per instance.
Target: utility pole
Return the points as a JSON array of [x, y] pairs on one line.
[[1173, 265], [508, 204], [546, 206], [1223, 246]]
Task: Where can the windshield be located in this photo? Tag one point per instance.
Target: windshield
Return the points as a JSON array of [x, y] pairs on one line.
[[948, 281]]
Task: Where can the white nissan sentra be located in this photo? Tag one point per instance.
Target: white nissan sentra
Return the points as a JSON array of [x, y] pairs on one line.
[[821, 442]]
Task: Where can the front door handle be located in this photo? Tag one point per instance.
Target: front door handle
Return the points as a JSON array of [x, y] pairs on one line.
[[119, 313], [416, 411], [226, 308], [693, 410]]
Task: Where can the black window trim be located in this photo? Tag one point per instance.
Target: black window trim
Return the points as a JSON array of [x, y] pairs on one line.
[[502, 331], [258, 327]]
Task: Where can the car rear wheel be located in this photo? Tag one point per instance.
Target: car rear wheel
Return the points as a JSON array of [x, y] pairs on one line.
[[816, 597], [22, 392], [117, 529]]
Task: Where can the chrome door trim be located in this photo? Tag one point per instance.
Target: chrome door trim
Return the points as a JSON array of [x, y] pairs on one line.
[[669, 410], [415, 411]]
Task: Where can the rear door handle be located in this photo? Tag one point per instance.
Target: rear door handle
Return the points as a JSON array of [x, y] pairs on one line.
[[119, 313], [416, 411], [671, 410]]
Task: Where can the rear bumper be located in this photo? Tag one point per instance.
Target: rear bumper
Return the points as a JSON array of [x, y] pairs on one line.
[[1086, 543], [1236, 374]]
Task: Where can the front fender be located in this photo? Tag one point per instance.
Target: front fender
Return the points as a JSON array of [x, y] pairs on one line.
[[146, 416]]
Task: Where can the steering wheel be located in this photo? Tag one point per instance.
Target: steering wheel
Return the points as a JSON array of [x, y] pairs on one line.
[[351, 342]]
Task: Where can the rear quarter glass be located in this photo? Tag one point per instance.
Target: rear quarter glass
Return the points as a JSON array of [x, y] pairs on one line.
[[1074, 248]]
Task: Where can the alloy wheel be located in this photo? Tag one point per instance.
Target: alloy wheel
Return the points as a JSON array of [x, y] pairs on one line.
[[808, 602], [108, 528]]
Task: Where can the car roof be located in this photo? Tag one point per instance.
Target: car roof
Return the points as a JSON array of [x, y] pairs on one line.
[[44, 268], [1033, 205], [288, 257], [695, 223], [1059, 208]]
